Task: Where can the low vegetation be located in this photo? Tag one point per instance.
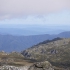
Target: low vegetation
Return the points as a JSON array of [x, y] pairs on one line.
[[14, 59], [56, 51]]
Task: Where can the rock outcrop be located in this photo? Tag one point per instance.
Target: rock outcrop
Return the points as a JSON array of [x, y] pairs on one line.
[[41, 66], [56, 51]]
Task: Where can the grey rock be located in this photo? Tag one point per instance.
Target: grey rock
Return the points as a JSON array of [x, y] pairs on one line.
[[41, 66], [6, 67]]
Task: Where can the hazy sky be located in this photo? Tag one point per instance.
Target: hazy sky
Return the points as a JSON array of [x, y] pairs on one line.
[[40, 12]]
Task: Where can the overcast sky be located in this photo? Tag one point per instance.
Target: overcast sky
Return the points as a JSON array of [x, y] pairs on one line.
[[40, 12]]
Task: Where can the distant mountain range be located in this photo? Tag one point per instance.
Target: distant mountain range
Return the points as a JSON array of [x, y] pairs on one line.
[[28, 31], [10, 43], [16, 31]]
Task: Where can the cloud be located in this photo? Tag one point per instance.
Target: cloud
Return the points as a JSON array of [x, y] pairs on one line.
[[62, 18], [21, 8]]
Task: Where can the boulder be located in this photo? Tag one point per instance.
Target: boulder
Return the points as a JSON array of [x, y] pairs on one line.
[[41, 66]]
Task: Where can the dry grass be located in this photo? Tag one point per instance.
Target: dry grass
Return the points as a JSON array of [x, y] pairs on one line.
[[14, 59]]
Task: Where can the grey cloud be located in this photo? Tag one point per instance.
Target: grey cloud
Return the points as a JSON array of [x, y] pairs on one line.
[[18, 8]]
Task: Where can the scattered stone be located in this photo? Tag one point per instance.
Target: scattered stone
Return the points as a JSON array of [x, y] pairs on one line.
[[37, 66], [7, 67]]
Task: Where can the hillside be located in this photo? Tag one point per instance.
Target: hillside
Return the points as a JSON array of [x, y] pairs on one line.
[[13, 59], [56, 51], [65, 34]]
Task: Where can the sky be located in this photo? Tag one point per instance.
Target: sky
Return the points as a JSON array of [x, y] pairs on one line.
[[44, 13]]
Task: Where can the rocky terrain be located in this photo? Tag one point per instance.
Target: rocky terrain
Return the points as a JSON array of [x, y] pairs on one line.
[[56, 51], [41, 66], [16, 61], [37, 66], [7, 67], [45, 65], [48, 55], [13, 61]]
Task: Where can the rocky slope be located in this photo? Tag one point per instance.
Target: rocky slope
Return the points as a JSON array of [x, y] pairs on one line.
[[13, 58], [36, 66], [15, 61], [41, 66], [56, 51]]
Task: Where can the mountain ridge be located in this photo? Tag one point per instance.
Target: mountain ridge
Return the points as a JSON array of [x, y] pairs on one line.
[[56, 51], [10, 43]]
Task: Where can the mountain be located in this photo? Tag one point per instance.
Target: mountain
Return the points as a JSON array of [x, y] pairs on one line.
[[56, 51], [65, 34], [26, 32], [10, 43], [16, 31], [21, 29]]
